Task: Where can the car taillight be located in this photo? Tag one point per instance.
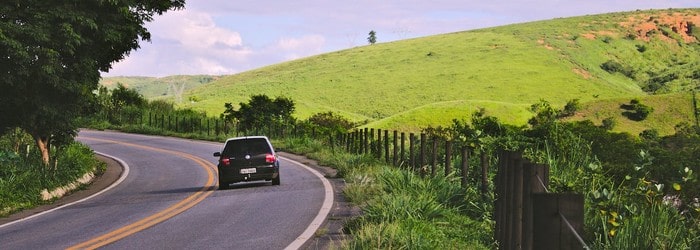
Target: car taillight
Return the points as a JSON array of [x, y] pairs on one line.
[[226, 161], [270, 158]]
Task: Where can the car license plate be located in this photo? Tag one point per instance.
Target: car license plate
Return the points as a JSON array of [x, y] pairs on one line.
[[248, 171]]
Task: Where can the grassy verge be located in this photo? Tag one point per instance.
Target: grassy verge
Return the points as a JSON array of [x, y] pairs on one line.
[[400, 209], [23, 176]]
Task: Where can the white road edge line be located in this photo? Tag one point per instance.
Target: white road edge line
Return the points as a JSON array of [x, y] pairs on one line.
[[123, 176], [322, 213]]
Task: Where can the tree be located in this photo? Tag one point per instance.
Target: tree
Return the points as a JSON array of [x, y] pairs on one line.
[[51, 55], [372, 37], [331, 121], [121, 96], [260, 112], [570, 108]]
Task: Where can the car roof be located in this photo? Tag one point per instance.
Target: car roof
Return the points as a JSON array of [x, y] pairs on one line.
[[247, 137]]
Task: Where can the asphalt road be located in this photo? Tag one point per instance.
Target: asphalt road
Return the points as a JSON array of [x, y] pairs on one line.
[[168, 200]]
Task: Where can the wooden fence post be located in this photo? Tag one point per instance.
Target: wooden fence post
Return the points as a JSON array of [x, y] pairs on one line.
[[403, 148], [396, 149], [366, 141], [433, 170], [465, 166], [378, 145], [448, 157], [422, 155], [386, 146], [550, 231], [484, 174]]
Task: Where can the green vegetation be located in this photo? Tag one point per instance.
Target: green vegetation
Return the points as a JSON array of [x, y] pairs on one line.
[[51, 62], [429, 81], [401, 209], [23, 176], [170, 87]]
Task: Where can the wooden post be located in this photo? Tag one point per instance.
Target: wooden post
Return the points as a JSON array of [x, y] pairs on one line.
[[484, 174], [422, 154], [465, 166], [403, 148], [378, 145], [366, 142], [412, 141], [448, 157], [433, 170], [517, 228], [550, 231], [386, 146], [501, 198], [396, 149]]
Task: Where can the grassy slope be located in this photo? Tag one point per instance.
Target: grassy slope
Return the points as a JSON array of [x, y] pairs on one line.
[[154, 87], [431, 80]]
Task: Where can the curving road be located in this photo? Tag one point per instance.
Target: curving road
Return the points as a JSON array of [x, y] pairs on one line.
[[169, 200]]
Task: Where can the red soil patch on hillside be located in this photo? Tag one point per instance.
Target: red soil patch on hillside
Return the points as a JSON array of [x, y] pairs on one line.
[[645, 25]]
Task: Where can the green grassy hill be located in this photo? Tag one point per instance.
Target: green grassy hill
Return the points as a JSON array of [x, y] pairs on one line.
[[154, 87], [413, 83]]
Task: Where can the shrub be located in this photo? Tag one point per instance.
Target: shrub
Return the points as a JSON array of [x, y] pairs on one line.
[[609, 123], [331, 122], [570, 108], [615, 67]]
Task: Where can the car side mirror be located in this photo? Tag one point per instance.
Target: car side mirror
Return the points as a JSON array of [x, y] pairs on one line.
[[217, 154]]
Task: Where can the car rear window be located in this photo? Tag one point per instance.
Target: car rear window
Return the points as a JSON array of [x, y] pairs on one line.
[[248, 146]]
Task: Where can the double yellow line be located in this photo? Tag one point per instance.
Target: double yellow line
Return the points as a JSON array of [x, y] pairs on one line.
[[161, 216]]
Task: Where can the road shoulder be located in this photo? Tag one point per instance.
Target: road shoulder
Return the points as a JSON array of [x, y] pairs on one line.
[[330, 235]]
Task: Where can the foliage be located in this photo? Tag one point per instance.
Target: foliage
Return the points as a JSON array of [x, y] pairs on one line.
[[261, 112], [122, 96], [545, 114], [331, 122], [372, 38], [51, 61], [23, 176], [401, 209], [636, 110], [609, 123], [615, 67], [570, 108]]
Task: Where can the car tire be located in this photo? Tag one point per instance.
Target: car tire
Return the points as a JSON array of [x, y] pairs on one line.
[[223, 185], [276, 181]]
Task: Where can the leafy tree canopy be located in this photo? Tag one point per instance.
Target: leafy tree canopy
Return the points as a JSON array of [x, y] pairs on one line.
[[51, 55], [260, 112]]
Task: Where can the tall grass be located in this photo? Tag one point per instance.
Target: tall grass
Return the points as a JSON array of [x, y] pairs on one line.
[[23, 176], [401, 210]]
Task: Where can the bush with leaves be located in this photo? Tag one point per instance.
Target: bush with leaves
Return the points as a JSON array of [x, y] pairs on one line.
[[261, 112], [331, 122]]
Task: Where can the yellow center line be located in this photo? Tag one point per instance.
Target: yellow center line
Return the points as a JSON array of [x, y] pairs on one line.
[[161, 216]]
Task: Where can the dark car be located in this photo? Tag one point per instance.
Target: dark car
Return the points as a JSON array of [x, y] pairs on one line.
[[250, 158]]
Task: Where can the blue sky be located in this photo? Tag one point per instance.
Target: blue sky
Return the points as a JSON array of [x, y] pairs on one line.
[[218, 37]]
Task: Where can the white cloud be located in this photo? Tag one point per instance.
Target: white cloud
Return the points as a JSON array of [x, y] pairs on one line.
[[185, 42]]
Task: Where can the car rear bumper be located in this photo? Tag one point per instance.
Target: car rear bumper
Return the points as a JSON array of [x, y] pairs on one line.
[[233, 174]]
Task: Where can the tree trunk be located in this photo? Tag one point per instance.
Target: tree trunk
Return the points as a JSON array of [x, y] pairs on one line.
[[42, 142]]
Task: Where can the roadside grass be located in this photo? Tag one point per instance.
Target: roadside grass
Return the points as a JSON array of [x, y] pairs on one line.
[[23, 176], [401, 210]]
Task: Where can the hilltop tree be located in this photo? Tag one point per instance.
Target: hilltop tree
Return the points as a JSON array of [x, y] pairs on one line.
[[52, 55], [372, 37]]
